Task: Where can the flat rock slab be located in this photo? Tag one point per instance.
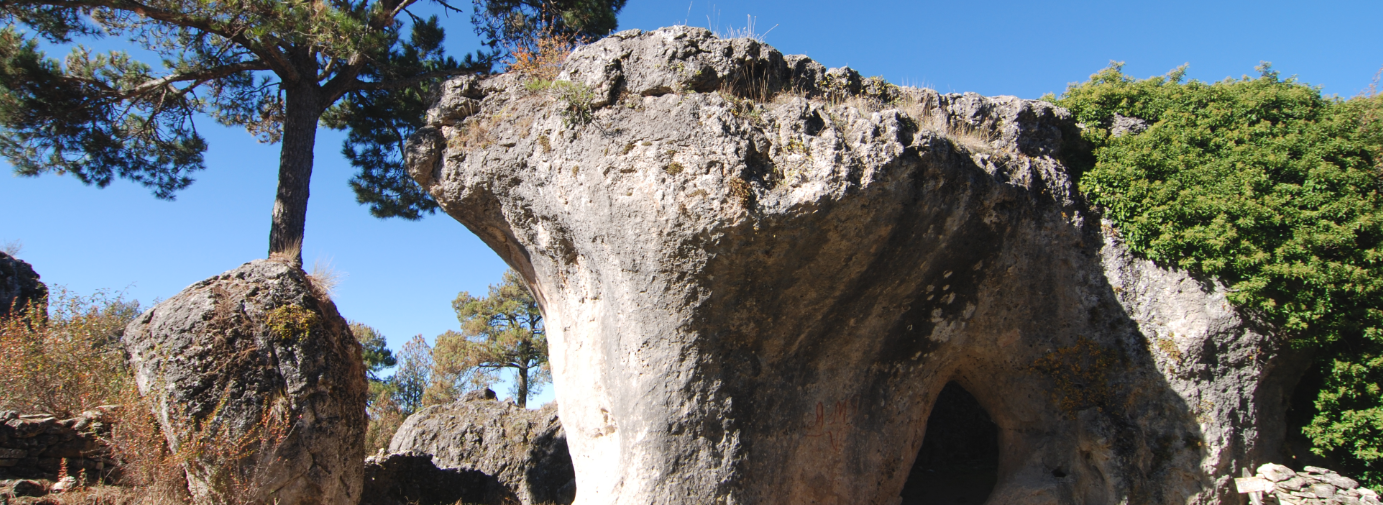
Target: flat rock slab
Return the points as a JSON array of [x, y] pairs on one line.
[[758, 274]]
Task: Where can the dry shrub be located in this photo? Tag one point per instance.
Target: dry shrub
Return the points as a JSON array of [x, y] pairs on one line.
[[233, 462], [385, 417], [541, 60], [68, 360]]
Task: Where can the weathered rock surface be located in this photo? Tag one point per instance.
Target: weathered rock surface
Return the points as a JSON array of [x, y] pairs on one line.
[[757, 275], [525, 450], [263, 371], [19, 284], [407, 479]]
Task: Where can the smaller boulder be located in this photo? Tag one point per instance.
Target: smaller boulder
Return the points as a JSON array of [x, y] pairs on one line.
[[404, 479], [526, 450]]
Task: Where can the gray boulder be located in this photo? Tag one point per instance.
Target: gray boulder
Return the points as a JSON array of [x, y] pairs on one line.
[[525, 450], [19, 285], [758, 275], [257, 379]]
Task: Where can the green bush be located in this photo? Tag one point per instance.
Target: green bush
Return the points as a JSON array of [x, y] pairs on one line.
[[1274, 189]]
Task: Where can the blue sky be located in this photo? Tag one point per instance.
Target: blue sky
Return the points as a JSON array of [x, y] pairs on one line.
[[401, 276]]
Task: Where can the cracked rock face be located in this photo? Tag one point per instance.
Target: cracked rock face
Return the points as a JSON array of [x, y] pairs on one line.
[[259, 380], [757, 275]]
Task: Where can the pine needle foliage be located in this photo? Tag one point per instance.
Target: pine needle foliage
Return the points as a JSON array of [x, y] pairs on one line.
[[276, 68], [1272, 188]]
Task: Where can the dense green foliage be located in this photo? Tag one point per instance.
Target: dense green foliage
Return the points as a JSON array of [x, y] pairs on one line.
[[374, 350], [502, 331], [1272, 188]]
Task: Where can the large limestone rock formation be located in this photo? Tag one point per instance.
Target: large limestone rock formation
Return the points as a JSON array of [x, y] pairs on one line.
[[258, 382], [758, 274], [19, 285], [525, 450]]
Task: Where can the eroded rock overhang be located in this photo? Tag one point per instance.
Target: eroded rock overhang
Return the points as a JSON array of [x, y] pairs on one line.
[[758, 274]]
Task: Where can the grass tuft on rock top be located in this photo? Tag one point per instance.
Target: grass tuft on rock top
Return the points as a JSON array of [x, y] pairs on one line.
[[1274, 189]]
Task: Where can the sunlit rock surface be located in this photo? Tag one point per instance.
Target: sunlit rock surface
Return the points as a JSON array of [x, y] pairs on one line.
[[758, 274]]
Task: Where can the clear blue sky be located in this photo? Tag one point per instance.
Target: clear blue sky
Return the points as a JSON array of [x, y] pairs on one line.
[[401, 276]]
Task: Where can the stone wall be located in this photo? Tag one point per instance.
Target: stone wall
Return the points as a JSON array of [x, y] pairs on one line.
[[35, 447]]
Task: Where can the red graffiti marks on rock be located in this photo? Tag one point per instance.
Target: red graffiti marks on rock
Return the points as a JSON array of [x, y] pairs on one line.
[[832, 422]]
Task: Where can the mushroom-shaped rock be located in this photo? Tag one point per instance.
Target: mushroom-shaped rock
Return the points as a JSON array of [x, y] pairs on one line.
[[757, 276], [258, 383]]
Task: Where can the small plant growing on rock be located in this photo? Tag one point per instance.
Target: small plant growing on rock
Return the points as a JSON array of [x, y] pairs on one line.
[[576, 99]]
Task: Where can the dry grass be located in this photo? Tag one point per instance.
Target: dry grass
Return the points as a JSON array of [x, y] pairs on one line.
[[928, 115], [12, 247], [68, 360], [748, 31], [474, 133], [291, 255], [324, 278]]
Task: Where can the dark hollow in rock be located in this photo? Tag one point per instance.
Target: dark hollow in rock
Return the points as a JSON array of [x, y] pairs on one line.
[[959, 460]]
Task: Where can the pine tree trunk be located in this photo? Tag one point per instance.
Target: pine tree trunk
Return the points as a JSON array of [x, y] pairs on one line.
[[522, 399], [302, 109]]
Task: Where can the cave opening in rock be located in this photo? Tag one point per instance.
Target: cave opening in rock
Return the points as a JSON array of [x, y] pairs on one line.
[[958, 463]]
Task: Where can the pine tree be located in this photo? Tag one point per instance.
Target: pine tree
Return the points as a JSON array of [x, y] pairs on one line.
[[502, 331], [273, 67]]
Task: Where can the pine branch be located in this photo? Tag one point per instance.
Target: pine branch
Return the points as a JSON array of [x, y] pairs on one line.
[[201, 76]]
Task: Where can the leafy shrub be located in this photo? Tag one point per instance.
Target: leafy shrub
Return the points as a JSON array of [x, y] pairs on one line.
[[1274, 189]]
